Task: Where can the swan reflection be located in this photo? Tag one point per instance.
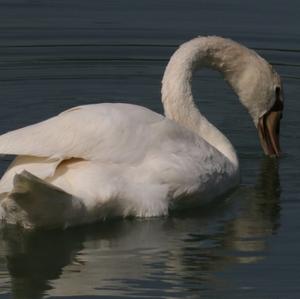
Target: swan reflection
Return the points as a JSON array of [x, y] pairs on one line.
[[158, 257], [259, 214]]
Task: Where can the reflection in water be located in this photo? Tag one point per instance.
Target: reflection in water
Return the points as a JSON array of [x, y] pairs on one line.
[[160, 257], [258, 216], [33, 260]]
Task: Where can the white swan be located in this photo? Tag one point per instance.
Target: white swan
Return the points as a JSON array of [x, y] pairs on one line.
[[95, 161]]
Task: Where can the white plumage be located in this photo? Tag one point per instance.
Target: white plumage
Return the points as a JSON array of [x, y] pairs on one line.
[[97, 161]]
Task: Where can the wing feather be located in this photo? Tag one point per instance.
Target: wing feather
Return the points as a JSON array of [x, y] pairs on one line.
[[100, 131]]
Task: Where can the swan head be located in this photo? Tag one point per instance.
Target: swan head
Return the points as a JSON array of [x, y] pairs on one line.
[[260, 90]]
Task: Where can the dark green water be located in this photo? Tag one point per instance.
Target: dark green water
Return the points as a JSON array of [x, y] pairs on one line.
[[57, 54]]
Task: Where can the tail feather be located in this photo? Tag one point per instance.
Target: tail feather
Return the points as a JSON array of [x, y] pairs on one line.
[[34, 203]]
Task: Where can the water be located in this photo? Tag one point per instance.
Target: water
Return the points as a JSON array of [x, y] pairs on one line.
[[58, 54]]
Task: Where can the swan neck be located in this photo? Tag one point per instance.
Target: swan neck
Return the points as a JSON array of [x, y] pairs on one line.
[[177, 97]]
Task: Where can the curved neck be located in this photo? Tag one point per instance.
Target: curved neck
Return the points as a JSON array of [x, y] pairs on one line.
[[212, 52]]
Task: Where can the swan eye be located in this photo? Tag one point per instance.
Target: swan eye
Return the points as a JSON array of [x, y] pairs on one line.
[[278, 105], [277, 92]]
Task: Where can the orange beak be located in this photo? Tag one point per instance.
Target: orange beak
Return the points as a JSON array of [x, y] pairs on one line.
[[269, 129]]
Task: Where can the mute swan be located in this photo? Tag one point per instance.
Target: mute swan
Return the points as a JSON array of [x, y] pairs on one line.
[[95, 161]]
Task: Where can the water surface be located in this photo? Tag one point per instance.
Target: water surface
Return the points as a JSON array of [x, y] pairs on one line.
[[58, 54]]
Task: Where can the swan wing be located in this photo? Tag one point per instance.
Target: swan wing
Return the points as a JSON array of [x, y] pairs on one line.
[[111, 132], [39, 166]]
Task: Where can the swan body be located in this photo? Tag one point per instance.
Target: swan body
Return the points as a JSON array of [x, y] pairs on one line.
[[96, 161]]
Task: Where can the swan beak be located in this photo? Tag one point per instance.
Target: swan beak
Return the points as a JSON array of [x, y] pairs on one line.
[[268, 131]]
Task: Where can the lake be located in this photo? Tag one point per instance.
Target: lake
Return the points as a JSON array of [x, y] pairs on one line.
[[57, 54]]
